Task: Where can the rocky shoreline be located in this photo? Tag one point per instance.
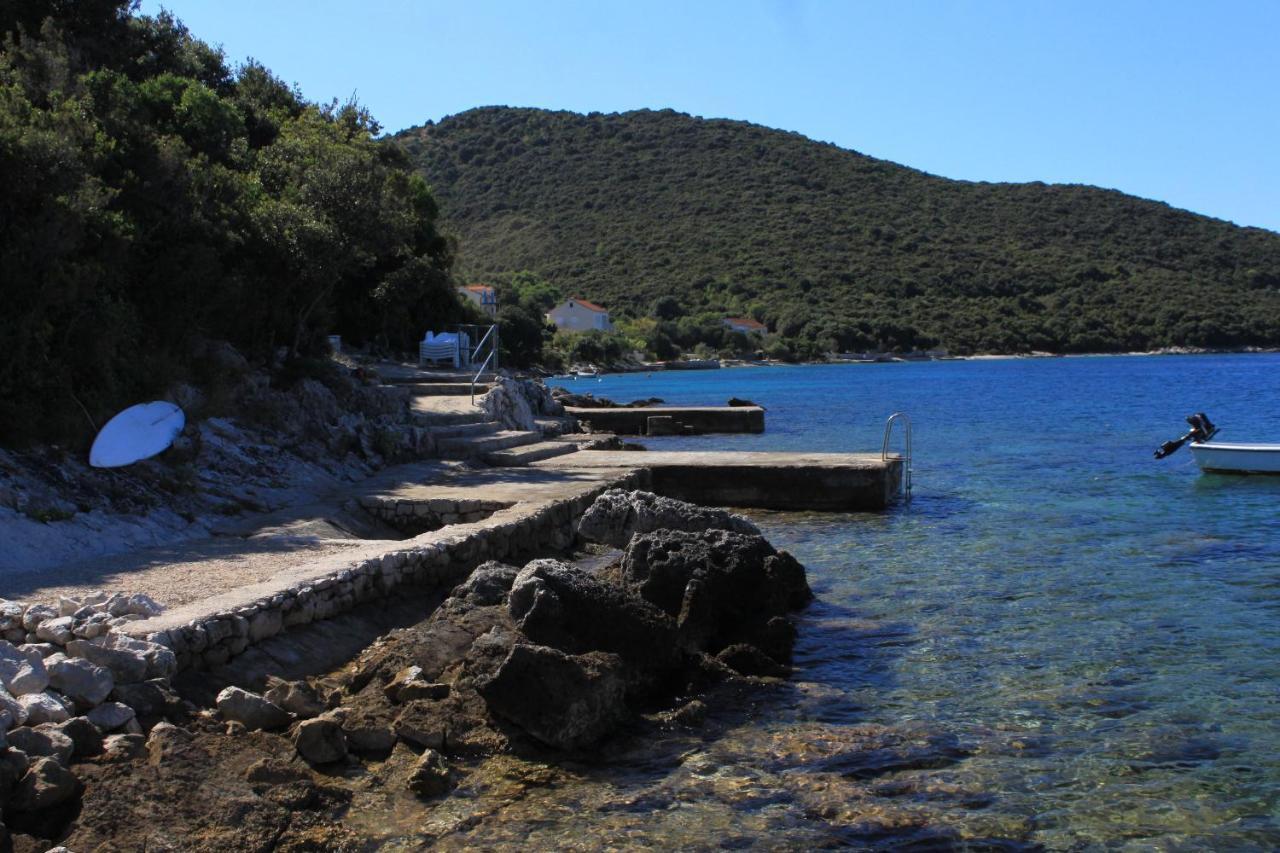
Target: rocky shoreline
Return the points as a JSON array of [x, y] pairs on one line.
[[548, 660]]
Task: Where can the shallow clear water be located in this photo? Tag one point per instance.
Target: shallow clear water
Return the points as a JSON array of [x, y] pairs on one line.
[[1096, 631]]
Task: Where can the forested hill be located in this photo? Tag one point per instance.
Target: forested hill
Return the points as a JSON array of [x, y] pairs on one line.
[[832, 247]]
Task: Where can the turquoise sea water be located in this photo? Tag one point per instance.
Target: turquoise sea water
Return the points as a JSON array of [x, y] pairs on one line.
[[1093, 634]]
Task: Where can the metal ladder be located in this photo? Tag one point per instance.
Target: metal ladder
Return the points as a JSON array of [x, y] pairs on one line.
[[906, 455]]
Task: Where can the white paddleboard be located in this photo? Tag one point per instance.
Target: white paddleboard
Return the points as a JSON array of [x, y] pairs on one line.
[[137, 433]]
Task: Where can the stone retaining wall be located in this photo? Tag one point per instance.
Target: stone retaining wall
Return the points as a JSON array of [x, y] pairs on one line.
[[414, 517], [439, 559]]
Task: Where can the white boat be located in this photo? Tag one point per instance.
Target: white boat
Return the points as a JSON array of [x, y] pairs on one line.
[[1237, 458]]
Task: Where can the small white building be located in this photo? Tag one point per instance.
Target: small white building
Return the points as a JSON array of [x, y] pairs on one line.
[[579, 315], [746, 325], [484, 296]]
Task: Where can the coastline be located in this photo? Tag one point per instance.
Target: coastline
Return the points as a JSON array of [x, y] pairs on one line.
[[729, 364]]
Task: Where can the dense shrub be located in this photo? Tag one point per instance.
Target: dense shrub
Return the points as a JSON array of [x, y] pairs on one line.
[[154, 198]]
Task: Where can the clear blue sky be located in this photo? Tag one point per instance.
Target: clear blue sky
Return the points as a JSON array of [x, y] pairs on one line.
[[1169, 99]]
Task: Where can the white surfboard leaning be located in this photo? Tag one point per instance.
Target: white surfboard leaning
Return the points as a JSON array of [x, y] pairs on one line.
[[137, 433]]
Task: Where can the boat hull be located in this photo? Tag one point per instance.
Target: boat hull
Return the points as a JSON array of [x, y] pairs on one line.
[[1237, 458]]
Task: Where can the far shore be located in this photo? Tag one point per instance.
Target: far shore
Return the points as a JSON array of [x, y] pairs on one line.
[[727, 364]]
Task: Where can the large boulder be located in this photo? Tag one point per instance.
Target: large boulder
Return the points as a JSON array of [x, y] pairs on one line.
[[297, 697], [110, 716], [487, 585], [508, 403], [555, 604], [46, 707], [565, 701], [21, 673], [320, 741], [618, 515], [44, 741], [720, 587], [252, 710], [78, 679], [12, 713], [47, 783]]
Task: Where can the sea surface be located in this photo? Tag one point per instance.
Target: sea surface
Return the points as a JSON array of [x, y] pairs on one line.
[[1060, 641]]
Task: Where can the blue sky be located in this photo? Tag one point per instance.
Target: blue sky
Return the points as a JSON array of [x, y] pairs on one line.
[[1171, 100]]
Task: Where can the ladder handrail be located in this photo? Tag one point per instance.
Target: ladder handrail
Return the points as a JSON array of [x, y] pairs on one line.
[[906, 456], [479, 373]]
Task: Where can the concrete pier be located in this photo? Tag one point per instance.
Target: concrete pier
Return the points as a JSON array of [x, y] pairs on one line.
[[683, 420], [830, 482], [429, 524]]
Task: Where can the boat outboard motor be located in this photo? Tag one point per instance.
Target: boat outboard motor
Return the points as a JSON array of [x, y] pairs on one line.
[[1202, 429]]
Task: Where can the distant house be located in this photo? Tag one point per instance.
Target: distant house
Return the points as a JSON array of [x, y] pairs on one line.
[[579, 315], [483, 295], [746, 325]]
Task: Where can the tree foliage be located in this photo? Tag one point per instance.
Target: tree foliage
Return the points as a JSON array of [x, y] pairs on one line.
[[833, 249], [154, 197]]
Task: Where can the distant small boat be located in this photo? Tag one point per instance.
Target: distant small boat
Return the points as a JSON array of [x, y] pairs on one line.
[[1237, 458], [1217, 458]]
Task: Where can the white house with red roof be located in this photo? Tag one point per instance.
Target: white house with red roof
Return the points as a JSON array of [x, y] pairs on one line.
[[579, 315], [746, 325], [483, 295]]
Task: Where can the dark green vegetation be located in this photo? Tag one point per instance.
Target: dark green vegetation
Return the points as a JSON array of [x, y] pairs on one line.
[[154, 198], [834, 250]]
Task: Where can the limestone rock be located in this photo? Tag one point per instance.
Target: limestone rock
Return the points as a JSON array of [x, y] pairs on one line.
[[82, 681], [430, 776], [46, 784], [488, 584], [368, 737], [618, 515], [37, 613], [252, 710], [507, 404], [19, 673], [421, 723], [44, 741], [296, 697], [127, 665], [410, 683], [149, 698], [17, 713], [44, 707], [565, 701], [110, 716], [320, 741], [721, 587], [164, 740], [83, 733], [558, 605], [123, 747], [56, 630]]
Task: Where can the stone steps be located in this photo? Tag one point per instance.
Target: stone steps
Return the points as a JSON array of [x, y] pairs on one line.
[[441, 419], [469, 447], [525, 454], [461, 430]]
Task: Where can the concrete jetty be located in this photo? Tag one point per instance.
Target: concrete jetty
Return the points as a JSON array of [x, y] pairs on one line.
[[671, 420], [830, 482], [427, 525]]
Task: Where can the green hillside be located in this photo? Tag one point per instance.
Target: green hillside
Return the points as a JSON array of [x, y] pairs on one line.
[[832, 248]]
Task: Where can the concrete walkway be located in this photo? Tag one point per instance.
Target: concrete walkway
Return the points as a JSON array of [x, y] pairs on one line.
[[311, 540]]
